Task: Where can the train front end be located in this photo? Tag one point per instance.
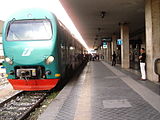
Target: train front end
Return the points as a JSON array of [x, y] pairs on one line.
[[30, 49]]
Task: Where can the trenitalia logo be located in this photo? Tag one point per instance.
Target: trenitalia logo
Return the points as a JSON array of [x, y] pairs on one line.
[[27, 51]]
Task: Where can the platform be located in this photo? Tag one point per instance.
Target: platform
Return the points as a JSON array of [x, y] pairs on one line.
[[103, 92]]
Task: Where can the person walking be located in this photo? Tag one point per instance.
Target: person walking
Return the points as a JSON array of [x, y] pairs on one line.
[[114, 58], [142, 59]]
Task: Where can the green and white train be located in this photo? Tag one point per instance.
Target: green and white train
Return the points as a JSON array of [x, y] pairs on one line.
[[39, 51]]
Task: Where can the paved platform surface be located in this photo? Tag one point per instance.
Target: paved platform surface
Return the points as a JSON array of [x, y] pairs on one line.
[[7, 91], [103, 92]]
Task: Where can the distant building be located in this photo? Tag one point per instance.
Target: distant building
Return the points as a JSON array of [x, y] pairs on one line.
[[1, 47]]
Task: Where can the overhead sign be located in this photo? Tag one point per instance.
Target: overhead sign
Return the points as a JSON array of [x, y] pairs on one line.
[[104, 44], [119, 42]]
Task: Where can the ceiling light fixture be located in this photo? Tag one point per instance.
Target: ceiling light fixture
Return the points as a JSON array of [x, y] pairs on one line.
[[99, 29], [103, 14]]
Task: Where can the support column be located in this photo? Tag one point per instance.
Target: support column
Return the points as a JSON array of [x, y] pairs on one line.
[[114, 44], [105, 53], [124, 46], [152, 21], [109, 54]]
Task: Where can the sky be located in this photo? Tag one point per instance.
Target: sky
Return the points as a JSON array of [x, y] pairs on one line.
[[9, 7]]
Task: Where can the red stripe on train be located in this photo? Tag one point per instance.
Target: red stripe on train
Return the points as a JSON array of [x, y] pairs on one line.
[[33, 84]]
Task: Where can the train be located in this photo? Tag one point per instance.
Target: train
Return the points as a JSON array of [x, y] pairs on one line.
[[39, 50]]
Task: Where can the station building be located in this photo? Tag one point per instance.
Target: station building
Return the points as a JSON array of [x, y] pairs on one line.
[[148, 37], [104, 92]]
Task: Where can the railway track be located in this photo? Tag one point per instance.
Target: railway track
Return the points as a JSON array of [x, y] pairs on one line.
[[19, 106]]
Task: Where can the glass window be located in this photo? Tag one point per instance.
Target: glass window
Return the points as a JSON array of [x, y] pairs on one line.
[[29, 30]]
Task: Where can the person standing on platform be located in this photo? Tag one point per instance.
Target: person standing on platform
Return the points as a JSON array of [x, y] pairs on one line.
[[114, 58], [142, 59]]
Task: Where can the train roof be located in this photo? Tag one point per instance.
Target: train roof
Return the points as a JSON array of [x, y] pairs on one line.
[[32, 13], [37, 13]]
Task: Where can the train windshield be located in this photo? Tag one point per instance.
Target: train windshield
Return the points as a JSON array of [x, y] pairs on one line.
[[29, 30]]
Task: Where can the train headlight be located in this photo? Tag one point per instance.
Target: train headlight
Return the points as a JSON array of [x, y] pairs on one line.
[[8, 60], [49, 60]]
